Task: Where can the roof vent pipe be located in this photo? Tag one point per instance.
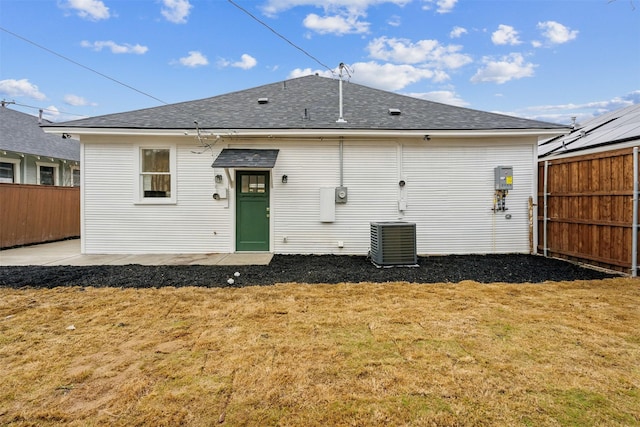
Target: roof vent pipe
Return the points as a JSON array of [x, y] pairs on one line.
[[40, 116], [340, 118]]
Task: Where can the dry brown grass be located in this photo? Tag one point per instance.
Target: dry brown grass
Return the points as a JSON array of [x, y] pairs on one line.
[[311, 355]]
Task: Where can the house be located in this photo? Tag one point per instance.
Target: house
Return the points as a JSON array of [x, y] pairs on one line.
[[588, 208], [306, 165], [30, 156]]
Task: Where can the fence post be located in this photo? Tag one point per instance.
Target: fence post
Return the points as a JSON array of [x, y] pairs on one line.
[[634, 227], [544, 210]]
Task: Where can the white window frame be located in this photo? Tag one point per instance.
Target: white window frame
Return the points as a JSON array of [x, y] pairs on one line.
[[16, 168], [56, 172], [74, 168], [138, 187]]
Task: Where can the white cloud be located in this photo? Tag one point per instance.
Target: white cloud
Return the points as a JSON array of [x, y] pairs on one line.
[[51, 113], [176, 11], [442, 96], [195, 59], [457, 32], [390, 77], [423, 51], [115, 47], [246, 62], [563, 113], [501, 71], [394, 21], [77, 101], [93, 10], [21, 88], [273, 7], [505, 34], [442, 6], [593, 108], [301, 72], [557, 33], [337, 24]]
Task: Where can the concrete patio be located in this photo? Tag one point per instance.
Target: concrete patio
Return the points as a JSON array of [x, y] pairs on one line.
[[67, 252]]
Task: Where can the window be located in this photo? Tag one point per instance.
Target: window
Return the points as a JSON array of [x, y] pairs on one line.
[[72, 179], [156, 177], [47, 173], [253, 184], [6, 172], [75, 173], [10, 171]]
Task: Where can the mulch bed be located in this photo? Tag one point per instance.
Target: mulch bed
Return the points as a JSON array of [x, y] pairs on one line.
[[512, 268]]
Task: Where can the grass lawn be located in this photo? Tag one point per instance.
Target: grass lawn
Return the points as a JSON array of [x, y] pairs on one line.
[[392, 354]]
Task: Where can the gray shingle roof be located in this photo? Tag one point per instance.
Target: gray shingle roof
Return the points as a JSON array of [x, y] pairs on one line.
[[21, 133], [310, 102]]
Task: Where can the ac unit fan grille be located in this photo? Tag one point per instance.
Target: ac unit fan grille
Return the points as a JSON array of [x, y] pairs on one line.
[[393, 243]]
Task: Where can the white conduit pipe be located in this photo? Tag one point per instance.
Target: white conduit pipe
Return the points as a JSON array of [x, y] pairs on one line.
[[544, 211], [634, 228], [341, 161]]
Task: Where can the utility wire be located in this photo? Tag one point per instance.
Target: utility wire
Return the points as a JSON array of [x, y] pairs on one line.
[[281, 36], [81, 65], [46, 109]]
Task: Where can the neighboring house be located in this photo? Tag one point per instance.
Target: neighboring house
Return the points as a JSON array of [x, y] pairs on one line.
[[586, 191], [293, 167], [30, 156]]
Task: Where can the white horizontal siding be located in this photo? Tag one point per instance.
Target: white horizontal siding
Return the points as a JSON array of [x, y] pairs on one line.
[[449, 192], [368, 169], [113, 223]]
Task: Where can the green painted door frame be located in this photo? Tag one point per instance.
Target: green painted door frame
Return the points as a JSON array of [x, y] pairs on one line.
[[252, 211]]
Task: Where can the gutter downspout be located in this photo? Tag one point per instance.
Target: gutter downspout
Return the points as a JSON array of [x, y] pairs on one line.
[[634, 227], [544, 220]]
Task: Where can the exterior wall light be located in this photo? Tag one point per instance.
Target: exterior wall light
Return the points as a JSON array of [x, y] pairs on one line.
[[218, 179], [285, 178]]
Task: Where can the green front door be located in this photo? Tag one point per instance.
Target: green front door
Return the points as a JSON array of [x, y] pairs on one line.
[[252, 211]]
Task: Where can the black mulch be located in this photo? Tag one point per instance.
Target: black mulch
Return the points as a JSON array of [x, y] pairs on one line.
[[513, 268]]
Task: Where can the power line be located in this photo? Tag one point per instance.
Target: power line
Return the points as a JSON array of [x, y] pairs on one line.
[[47, 109], [81, 65], [281, 36]]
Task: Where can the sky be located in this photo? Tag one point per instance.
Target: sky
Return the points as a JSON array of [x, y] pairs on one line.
[[547, 60]]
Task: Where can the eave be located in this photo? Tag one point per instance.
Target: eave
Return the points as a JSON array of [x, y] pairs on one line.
[[311, 133]]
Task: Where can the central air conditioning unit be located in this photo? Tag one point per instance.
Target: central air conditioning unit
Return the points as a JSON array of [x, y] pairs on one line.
[[393, 244]]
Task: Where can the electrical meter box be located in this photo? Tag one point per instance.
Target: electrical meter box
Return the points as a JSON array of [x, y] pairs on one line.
[[504, 177], [341, 195]]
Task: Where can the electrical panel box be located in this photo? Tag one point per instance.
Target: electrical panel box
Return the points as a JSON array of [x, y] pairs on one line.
[[327, 205], [504, 177]]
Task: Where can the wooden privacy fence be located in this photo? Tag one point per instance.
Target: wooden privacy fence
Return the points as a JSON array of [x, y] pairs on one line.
[[589, 209], [36, 214]]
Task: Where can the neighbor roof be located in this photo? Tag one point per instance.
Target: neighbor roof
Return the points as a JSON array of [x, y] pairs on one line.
[[310, 102], [609, 129], [21, 133]]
